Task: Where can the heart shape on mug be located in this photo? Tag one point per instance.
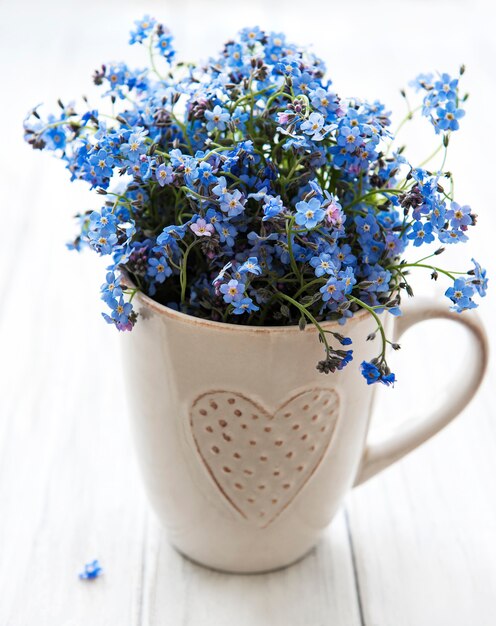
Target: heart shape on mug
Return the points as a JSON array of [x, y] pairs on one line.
[[260, 460]]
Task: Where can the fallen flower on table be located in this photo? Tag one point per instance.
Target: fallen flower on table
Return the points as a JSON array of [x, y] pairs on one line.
[[91, 571]]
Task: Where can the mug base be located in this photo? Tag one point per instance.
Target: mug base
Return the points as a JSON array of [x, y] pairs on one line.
[[242, 571]]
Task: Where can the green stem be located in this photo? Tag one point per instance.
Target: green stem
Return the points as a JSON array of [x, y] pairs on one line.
[[370, 309], [407, 118], [431, 156], [304, 288], [152, 58], [430, 267], [289, 224], [372, 193], [184, 271], [307, 314], [444, 158], [193, 193], [248, 96], [280, 93], [215, 151], [183, 130]]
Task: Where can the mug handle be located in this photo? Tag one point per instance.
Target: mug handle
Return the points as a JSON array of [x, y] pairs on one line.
[[378, 456]]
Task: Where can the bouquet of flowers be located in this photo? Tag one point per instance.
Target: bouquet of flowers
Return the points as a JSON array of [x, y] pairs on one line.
[[245, 190]]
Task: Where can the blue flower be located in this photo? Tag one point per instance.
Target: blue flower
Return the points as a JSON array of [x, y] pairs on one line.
[[461, 295], [454, 235], [347, 355], [56, 138], [190, 169], [446, 86], [374, 374], [111, 289], [205, 174], [164, 175], [290, 66], [177, 158], [448, 116], [144, 26], [343, 255], [380, 279], [272, 207], [216, 119], [459, 216], [429, 104], [232, 291], [245, 305], [121, 312], [220, 188], [103, 240], [333, 290], [251, 266], [325, 101], [230, 203], [235, 54], [370, 372], [158, 269], [227, 232], [91, 571], [102, 162], [303, 83], [170, 235], [135, 145], [323, 264], [309, 214], [421, 81], [349, 138], [164, 45], [103, 219], [348, 280], [366, 226], [314, 126], [479, 280], [421, 233], [251, 35]]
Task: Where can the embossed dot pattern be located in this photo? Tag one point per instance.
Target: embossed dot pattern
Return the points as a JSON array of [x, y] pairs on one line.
[[260, 464]]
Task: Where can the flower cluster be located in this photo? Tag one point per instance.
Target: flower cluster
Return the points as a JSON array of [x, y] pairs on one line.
[[441, 103], [246, 190]]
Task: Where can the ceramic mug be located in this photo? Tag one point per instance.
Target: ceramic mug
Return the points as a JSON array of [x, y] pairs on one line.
[[246, 449]]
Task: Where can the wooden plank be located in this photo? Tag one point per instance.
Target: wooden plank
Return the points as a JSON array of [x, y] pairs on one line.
[[424, 531], [320, 589]]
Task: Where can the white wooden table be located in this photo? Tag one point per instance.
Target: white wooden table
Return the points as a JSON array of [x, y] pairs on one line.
[[416, 546]]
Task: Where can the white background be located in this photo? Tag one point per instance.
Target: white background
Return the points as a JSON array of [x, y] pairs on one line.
[[415, 546]]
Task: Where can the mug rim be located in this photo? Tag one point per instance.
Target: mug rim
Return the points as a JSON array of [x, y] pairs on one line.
[[193, 320]]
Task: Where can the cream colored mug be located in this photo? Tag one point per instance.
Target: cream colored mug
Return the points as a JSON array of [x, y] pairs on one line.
[[246, 449]]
